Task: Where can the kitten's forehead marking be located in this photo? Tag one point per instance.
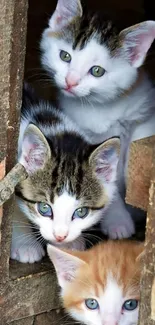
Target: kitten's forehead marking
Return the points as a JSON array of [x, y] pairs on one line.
[[93, 26], [112, 297], [64, 205], [89, 26]]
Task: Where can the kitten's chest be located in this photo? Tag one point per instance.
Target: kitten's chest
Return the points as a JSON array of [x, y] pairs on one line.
[[99, 123]]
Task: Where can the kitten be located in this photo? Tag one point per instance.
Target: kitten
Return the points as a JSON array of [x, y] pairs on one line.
[[100, 286], [70, 185], [96, 70]]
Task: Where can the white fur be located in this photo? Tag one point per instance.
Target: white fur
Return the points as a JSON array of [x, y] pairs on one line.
[[110, 298], [24, 248], [94, 104], [97, 104], [62, 223], [110, 302], [81, 63]]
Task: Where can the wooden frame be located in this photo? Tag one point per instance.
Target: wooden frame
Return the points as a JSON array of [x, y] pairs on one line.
[[31, 291], [19, 293]]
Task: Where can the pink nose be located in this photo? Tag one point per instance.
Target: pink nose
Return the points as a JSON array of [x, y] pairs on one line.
[[60, 238], [72, 81]]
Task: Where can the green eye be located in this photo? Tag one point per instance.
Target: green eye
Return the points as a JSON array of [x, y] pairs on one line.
[[44, 209], [130, 304], [80, 213], [97, 71], [65, 56], [91, 304]]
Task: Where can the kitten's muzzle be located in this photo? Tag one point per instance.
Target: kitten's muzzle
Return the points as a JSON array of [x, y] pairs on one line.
[[60, 238]]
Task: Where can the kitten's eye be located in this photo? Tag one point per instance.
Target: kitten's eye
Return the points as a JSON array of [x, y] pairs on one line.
[[80, 213], [91, 304], [65, 56], [44, 209], [97, 71], [130, 304]]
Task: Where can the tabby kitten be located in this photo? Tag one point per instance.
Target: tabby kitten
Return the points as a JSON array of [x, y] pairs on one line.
[[70, 185], [96, 69], [100, 286]]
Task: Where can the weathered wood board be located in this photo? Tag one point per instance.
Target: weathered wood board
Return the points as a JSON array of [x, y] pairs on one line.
[[139, 172], [147, 307]]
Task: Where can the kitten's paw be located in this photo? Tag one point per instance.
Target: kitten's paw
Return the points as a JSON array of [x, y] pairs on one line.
[[120, 231], [27, 253], [120, 227]]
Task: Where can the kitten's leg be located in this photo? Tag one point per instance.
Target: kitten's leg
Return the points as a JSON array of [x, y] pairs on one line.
[[24, 247], [117, 222]]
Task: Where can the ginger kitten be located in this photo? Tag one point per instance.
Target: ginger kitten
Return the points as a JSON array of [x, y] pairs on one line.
[[100, 286]]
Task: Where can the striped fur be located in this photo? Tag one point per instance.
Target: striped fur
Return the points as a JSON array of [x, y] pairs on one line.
[[117, 102], [66, 172]]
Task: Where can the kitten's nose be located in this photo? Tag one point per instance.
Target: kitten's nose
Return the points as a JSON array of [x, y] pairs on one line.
[[72, 80], [60, 238]]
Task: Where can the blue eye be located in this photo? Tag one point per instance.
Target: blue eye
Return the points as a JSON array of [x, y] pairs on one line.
[[97, 71], [80, 213], [44, 209], [130, 304], [91, 304]]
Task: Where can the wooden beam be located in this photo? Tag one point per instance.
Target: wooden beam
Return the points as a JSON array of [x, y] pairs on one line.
[[28, 296], [2, 174], [139, 172], [13, 25], [147, 305]]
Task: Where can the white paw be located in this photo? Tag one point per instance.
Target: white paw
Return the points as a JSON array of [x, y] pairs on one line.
[[119, 228], [27, 253]]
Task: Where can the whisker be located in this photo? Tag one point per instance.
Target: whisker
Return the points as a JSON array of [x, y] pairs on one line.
[[93, 236]]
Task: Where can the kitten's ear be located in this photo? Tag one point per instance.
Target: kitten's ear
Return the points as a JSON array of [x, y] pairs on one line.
[[135, 42], [104, 160], [35, 150], [65, 12], [65, 264]]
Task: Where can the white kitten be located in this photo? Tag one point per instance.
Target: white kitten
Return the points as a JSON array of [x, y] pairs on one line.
[[96, 69]]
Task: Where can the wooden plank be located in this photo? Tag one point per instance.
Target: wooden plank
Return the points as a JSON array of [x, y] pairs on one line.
[[28, 296], [139, 172], [2, 173], [55, 317], [13, 25], [24, 321], [147, 306]]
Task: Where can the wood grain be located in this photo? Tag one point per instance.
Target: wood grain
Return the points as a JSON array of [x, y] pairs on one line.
[[147, 306], [139, 172]]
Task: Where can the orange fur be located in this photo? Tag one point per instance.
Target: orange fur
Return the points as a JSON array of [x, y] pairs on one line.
[[118, 258]]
